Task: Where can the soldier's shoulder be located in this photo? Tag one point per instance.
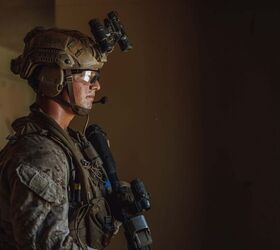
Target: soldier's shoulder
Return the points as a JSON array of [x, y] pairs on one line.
[[37, 152], [34, 146]]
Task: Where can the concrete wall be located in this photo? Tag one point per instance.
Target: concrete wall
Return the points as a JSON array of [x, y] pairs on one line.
[[16, 19], [19, 16], [15, 95]]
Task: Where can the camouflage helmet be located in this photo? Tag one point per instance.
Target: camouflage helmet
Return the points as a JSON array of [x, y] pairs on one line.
[[56, 51], [51, 56]]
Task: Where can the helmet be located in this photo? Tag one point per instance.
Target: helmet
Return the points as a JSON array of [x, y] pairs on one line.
[[49, 58]]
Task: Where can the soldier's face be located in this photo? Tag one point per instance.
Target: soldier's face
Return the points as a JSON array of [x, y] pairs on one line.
[[85, 86]]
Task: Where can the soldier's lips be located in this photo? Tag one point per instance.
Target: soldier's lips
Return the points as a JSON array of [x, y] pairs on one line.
[[90, 97]]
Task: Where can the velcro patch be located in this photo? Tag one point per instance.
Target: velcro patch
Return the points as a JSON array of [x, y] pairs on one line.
[[40, 183]]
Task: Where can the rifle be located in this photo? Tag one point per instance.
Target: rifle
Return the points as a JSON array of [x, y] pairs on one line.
[[127, 202]]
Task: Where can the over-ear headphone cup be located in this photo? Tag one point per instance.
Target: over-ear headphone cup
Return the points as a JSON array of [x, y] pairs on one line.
[[50, 81]]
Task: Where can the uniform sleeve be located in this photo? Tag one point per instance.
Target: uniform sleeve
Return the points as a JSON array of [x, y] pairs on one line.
[[39, 201]]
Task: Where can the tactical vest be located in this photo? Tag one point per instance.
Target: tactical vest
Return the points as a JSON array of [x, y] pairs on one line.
[[90, 220]]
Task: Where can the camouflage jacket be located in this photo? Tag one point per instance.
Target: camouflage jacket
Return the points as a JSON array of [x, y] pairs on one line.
[[34, 197]]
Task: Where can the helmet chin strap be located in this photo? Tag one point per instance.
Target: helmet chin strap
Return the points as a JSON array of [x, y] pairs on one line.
[[71, 104], [75, 108]]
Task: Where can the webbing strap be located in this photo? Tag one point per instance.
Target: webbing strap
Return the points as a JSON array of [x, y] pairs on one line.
[[61, 135], [69, 84]]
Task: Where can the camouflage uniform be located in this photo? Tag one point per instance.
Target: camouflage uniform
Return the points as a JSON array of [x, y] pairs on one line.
[[34, 190], [42, 205]]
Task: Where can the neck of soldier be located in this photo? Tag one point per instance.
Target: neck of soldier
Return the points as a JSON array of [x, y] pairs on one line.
[[62, 115]]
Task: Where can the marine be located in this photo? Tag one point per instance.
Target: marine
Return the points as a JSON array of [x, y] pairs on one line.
[[59, 188], [52, 191]]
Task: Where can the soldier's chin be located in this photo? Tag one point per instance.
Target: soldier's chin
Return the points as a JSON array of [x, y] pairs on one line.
[[87, 105]]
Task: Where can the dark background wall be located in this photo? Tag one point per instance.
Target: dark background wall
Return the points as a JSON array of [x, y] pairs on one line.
[[193, 111], [239, 75]]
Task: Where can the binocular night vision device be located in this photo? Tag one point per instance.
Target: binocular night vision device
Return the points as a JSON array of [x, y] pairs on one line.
[[112, 32]]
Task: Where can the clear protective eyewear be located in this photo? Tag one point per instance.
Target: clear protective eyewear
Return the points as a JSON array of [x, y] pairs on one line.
[[89, 76]]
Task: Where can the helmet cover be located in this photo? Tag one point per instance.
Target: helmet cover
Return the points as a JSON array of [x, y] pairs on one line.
[[68, 49]]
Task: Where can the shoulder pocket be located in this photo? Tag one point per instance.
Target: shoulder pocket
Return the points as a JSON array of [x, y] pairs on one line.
[[40, 183]]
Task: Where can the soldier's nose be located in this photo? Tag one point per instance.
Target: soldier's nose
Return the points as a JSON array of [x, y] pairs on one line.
[[95, 86]]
